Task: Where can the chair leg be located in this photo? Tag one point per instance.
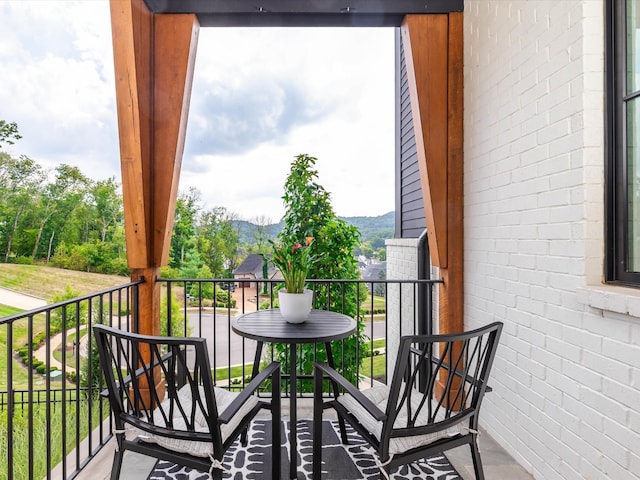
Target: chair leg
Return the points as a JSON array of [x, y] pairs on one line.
[[336, 393], [276, 428], [475, 456], [116, 467], [316, 470], [387, 473], [343, 430], [216, 473]]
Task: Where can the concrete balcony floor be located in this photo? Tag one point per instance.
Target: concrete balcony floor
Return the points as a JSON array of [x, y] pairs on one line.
[[497, 463]]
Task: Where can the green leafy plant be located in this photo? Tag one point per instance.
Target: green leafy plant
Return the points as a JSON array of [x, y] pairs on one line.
[[293, 261], [309, 214]]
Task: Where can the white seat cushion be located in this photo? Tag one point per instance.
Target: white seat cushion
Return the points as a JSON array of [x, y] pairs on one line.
[[198, 449], [379, 396]]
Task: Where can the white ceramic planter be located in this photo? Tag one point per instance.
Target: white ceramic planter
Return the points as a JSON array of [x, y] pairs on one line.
[[295, 307]]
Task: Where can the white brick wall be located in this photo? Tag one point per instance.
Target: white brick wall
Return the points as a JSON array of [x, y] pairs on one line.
[[402, 264], [566, 399]]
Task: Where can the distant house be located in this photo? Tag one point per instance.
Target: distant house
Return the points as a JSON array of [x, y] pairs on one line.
[[251, 269], [375, 272]]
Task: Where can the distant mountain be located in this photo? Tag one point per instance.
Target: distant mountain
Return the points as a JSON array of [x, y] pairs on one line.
[[381, 226], [248, 230]]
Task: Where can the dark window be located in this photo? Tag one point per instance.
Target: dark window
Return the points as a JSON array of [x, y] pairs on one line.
[[623, 141]]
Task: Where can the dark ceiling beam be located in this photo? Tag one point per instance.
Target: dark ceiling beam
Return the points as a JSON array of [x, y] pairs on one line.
[[303, 13]]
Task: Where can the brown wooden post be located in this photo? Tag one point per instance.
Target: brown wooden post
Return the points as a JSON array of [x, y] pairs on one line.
[[434, 54], [154, 58]]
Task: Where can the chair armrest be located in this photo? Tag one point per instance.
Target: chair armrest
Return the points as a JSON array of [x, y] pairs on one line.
[[367, 404], [249, 390]]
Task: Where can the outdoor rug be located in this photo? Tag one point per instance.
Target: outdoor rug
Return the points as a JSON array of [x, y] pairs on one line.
[[340, 462]]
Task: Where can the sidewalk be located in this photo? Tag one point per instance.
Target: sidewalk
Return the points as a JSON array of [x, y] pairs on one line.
[[54, 343], [28, 302], [20, 300]]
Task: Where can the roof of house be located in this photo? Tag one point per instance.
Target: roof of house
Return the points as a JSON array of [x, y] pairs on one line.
[[372, 272], [253, 264]]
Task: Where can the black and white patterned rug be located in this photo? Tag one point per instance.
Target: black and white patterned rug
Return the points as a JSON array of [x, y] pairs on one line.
[[347, 462]]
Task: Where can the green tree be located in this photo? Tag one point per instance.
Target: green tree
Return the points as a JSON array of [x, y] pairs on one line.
[[60, 197], [184, 226], [309, 213], [192, 265], [106, 200], [261, 235], [20, 182], [218, 241], [8, 132], [179, 324], [72, 314]]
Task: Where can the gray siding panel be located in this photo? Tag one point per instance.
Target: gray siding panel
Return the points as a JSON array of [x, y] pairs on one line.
[[410, 219]]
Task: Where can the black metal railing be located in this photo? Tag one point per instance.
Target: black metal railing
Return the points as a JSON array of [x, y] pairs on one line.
[[51, 413], [22, 398], [53, 420], [205, 308]]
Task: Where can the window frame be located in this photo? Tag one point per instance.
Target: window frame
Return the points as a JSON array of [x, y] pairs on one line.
[[616, 192]]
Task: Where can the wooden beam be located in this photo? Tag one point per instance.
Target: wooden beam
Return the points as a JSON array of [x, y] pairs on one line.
[[131, 27], [176, 38], [154, 59], [451, 294], [434, 54], [425, 40]]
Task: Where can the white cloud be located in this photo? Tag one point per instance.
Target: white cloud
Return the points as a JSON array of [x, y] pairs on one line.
[[260, 97]]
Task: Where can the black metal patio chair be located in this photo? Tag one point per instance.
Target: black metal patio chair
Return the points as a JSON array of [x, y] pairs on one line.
[[431, 405], [163, 388]]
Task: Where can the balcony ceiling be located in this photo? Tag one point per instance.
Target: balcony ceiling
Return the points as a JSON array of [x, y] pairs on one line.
[[303, 13]]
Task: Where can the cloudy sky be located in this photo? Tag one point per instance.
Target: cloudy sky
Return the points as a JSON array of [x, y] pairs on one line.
[[260, 97]]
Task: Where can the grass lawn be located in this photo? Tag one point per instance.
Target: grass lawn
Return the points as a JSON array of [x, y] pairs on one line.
[[378, 303], [20, 334], [46, 282], [378, 363], [236, 372], [42, 282], [5, 311]]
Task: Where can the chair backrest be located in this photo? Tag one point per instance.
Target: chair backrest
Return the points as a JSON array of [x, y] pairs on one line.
[[439, 381], [161, 385]]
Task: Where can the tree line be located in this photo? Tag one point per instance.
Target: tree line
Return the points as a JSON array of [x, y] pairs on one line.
[[60, 217]]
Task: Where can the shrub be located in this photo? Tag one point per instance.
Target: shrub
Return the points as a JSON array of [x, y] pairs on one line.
[[24, 260], [71, 312], [225, 299]]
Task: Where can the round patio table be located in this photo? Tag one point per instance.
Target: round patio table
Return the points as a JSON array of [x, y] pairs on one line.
[[268, 326]]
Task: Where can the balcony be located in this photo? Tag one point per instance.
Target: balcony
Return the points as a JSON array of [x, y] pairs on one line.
[[55, 424]]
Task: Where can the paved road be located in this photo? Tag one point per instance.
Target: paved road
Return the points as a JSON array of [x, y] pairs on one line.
[[232, 349], [20, 300]]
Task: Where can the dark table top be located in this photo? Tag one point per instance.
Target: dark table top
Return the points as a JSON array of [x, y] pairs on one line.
[[269, 326]]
